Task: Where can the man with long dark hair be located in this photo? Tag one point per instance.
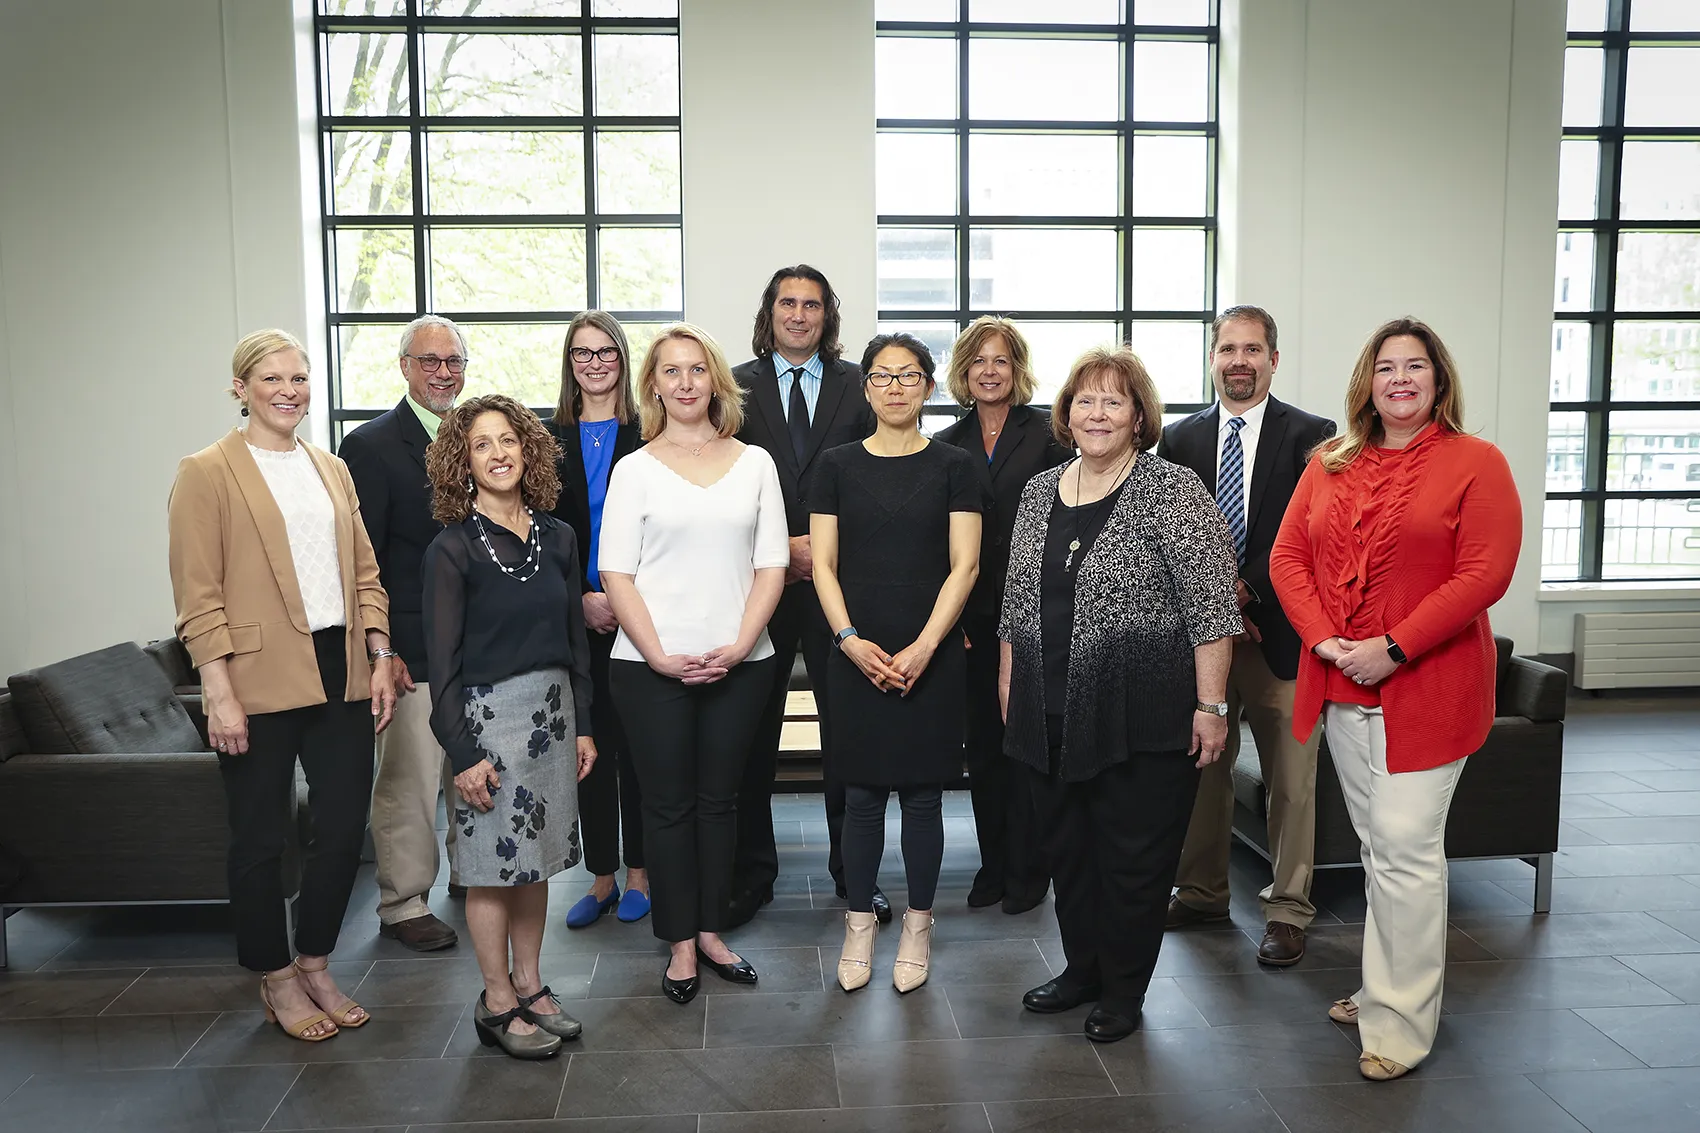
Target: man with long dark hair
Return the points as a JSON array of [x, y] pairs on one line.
[[801, 398]]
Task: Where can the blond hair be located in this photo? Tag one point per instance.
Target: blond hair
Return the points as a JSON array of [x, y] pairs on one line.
[[1363, 423], [725, 395], [970, 342], [255, 347]]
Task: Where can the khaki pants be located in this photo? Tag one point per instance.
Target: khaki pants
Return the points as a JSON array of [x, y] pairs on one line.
[[1289, 777], [411, 770], [1401, 821]]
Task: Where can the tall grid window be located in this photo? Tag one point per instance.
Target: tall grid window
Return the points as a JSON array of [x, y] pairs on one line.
[[1053, 162], [1623, 437], [506, 163]]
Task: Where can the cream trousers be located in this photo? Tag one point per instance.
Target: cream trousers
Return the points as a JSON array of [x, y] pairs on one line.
[[1401, 823], [411, 770]]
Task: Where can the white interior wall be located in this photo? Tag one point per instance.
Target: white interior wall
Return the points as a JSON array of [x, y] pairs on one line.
[[777, 108], [1392, 158], [149, 215]]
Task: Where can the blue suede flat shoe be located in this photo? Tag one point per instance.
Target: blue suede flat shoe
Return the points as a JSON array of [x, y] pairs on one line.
[[589, 909], [634, 906]]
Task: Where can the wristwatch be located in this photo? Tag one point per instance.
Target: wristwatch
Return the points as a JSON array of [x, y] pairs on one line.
[[1393, 651], [1220, 709], [843, 635]]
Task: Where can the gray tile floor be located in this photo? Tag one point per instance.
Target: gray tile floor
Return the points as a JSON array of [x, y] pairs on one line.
[[1587, 1019]]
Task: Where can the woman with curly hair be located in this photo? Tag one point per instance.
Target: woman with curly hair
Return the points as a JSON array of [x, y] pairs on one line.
[[510, 691]]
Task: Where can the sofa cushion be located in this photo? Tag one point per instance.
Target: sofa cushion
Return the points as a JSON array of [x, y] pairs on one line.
[[112, 701], [1503, 661], [12, 738]]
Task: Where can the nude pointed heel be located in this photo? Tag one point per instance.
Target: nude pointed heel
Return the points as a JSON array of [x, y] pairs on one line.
[[914, 949], [856, 964]]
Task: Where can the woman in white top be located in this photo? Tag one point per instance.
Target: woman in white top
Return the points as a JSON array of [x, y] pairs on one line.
[[693, 558], [279, 605]]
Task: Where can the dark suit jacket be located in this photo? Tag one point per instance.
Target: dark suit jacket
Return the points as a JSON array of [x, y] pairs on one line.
[[386, 458], [573, 507], [842, 415], [1283, 448], [1025, 448]]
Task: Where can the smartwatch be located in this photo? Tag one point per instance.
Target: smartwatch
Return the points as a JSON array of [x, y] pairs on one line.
[[843, 635], [1218, 709], [1393, 651]]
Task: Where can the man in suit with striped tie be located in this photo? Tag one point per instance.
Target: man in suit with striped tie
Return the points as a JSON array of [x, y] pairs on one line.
[[1250, 449]]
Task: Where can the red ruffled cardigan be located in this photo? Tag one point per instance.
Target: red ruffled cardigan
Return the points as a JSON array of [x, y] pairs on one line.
[[1416, 542]]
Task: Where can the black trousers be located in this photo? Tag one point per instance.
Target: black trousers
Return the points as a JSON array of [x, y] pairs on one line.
[[864, 841], [797, 622], [334, 744], [609, 802], [1114, 843], [1011, 858], [689, 744]]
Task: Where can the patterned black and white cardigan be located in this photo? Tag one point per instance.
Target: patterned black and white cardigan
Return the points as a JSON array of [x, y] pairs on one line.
[[1158, 581]]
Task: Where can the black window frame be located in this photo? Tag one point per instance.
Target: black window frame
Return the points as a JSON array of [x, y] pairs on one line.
[[962, 222], [415, 23], [1602, 315]]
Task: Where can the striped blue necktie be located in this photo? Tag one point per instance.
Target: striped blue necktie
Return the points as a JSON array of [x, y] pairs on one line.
[[1230, 486]]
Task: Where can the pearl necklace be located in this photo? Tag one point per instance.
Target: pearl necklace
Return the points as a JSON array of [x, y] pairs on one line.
[[533, 550]]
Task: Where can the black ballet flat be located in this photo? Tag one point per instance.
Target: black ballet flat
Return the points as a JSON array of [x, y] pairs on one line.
[[738, 973], [679, 991]]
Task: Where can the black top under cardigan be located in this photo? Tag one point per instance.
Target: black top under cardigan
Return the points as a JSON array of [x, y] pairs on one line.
[[1155, 584]]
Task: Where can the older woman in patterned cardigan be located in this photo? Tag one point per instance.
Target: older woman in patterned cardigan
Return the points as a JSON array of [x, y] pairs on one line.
[[1117, 627]]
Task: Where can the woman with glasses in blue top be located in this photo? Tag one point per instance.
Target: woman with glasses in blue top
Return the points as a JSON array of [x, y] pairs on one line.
[[596, 425], [895, 526]]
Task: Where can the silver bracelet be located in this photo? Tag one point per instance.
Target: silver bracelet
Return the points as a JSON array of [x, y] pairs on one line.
[[380, 654]]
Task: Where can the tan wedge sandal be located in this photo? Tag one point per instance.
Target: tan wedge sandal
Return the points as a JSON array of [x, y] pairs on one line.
[[299, 1030], [343, 1013]]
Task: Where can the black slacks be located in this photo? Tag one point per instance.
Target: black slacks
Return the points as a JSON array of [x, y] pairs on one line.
[[797, 622], [334, 743], [1011, 859], [1114, 843], [689, 744], [609, 802], [864, 841]]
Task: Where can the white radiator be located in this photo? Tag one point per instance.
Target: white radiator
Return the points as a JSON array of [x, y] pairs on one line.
[[1637, 650]]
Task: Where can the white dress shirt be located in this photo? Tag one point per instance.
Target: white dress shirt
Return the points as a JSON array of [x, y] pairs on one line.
[[1249, 433]]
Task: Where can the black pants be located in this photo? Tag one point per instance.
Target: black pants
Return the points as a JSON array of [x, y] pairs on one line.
[[1114, 843], [864, 841], [797, 622], [1010, 856], [689, 744], [334, 743], [609, 802]]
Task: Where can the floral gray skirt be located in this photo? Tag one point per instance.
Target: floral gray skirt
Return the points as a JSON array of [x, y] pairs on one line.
[[525, 726]]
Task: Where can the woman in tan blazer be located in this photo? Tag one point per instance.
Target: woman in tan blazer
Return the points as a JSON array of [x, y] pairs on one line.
[[279, 604]]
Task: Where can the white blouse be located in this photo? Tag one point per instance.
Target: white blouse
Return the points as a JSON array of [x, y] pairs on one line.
[[310, 519], [693, 551]]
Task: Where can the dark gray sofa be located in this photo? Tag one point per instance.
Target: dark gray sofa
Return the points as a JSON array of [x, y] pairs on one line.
[[111, 793], [1506, 805]]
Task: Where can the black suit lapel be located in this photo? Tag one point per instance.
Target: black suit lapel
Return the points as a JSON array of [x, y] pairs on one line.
[[765, 386], [413, 435], [1269, 442], [1016, 432], [1202, 443], [833, 390], [572, 470]]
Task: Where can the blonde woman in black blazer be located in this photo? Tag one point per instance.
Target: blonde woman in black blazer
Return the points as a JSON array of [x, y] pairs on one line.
[[991, 375]]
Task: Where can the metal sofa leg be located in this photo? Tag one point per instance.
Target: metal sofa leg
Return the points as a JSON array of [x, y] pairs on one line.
[[1543, 883]]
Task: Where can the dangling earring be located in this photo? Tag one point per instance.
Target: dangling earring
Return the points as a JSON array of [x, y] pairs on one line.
[[244, 409], [471, 486]]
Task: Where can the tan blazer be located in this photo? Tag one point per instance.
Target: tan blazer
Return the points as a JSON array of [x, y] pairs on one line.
[[234, 578]]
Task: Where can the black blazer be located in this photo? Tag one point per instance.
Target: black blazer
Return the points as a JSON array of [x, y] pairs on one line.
[[842, 415], [386, 458], [1025, 448], [573, 506], [1283, 449]]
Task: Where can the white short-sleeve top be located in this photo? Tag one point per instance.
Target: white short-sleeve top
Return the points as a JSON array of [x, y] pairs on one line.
[[693, 551]]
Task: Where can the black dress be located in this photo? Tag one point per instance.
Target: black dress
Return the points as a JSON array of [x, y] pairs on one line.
[[893, 558]]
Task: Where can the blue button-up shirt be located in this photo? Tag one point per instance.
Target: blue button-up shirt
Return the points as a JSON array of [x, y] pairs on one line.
[[811, 379]]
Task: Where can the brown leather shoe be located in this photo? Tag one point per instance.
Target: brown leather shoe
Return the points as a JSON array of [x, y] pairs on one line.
[[422, 934], [1283, 944], [1183, 915]]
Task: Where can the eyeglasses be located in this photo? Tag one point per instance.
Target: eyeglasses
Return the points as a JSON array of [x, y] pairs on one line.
[[430, 363], [908, 378], [583, 354]]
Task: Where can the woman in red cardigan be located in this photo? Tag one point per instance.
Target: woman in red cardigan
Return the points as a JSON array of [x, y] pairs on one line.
[[1403, 531]]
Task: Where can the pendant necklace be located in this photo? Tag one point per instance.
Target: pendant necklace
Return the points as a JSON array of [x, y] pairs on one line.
[[682, 448], [1074, 513], [533, 550]]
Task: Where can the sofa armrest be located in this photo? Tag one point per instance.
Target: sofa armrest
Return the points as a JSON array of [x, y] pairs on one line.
[[1532, 690], [197, 711]]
